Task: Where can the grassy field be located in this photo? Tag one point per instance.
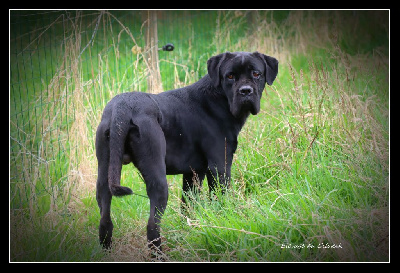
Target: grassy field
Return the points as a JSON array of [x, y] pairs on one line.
[[310, 178]]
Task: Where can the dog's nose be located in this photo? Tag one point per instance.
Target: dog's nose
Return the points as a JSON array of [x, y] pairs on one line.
[[245, 90]]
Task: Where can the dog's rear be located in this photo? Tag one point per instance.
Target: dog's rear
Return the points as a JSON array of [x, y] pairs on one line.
[[129, 126], [110, 138], [113, 131]]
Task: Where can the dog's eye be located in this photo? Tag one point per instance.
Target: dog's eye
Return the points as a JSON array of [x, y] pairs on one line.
[[230, 76], [256, 74]]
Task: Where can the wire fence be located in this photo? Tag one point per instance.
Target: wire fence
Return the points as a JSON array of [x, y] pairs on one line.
[[66, 65]]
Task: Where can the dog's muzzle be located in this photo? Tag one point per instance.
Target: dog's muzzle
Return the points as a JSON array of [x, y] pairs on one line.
[[245, 100]]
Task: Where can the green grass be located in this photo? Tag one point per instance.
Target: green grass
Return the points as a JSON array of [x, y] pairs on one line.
[[311, 169]]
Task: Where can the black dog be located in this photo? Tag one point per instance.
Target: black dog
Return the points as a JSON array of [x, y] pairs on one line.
[[191, 131]]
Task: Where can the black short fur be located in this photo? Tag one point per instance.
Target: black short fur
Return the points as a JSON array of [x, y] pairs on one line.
[[191, 131]]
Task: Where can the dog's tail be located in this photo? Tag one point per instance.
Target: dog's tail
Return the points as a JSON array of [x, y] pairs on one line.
[[119, 129]]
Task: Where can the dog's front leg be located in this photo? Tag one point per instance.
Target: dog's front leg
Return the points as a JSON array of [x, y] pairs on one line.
[[191, 184], [219, 177]]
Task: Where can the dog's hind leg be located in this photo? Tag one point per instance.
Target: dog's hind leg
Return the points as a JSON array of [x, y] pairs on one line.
[[148, 148], [103, 194], [157, 190]]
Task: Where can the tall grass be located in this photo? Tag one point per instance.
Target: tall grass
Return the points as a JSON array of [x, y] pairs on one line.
[[311, 169]]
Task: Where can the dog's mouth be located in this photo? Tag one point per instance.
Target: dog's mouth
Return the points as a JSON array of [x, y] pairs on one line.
[[243, 106], [249, 106]]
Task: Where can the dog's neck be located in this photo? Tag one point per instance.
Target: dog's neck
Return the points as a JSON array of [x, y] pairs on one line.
[[215, 95]]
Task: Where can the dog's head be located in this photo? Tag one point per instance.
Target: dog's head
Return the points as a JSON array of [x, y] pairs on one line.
[[242, 77]]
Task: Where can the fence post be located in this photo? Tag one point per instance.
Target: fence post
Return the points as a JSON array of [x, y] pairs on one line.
[[251, 17], [154, 84]]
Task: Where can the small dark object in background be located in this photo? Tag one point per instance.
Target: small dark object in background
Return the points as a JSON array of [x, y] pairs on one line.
[[168, 47]]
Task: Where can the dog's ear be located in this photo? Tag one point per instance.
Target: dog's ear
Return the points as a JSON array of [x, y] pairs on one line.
[[213, 65], [271, 67]]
